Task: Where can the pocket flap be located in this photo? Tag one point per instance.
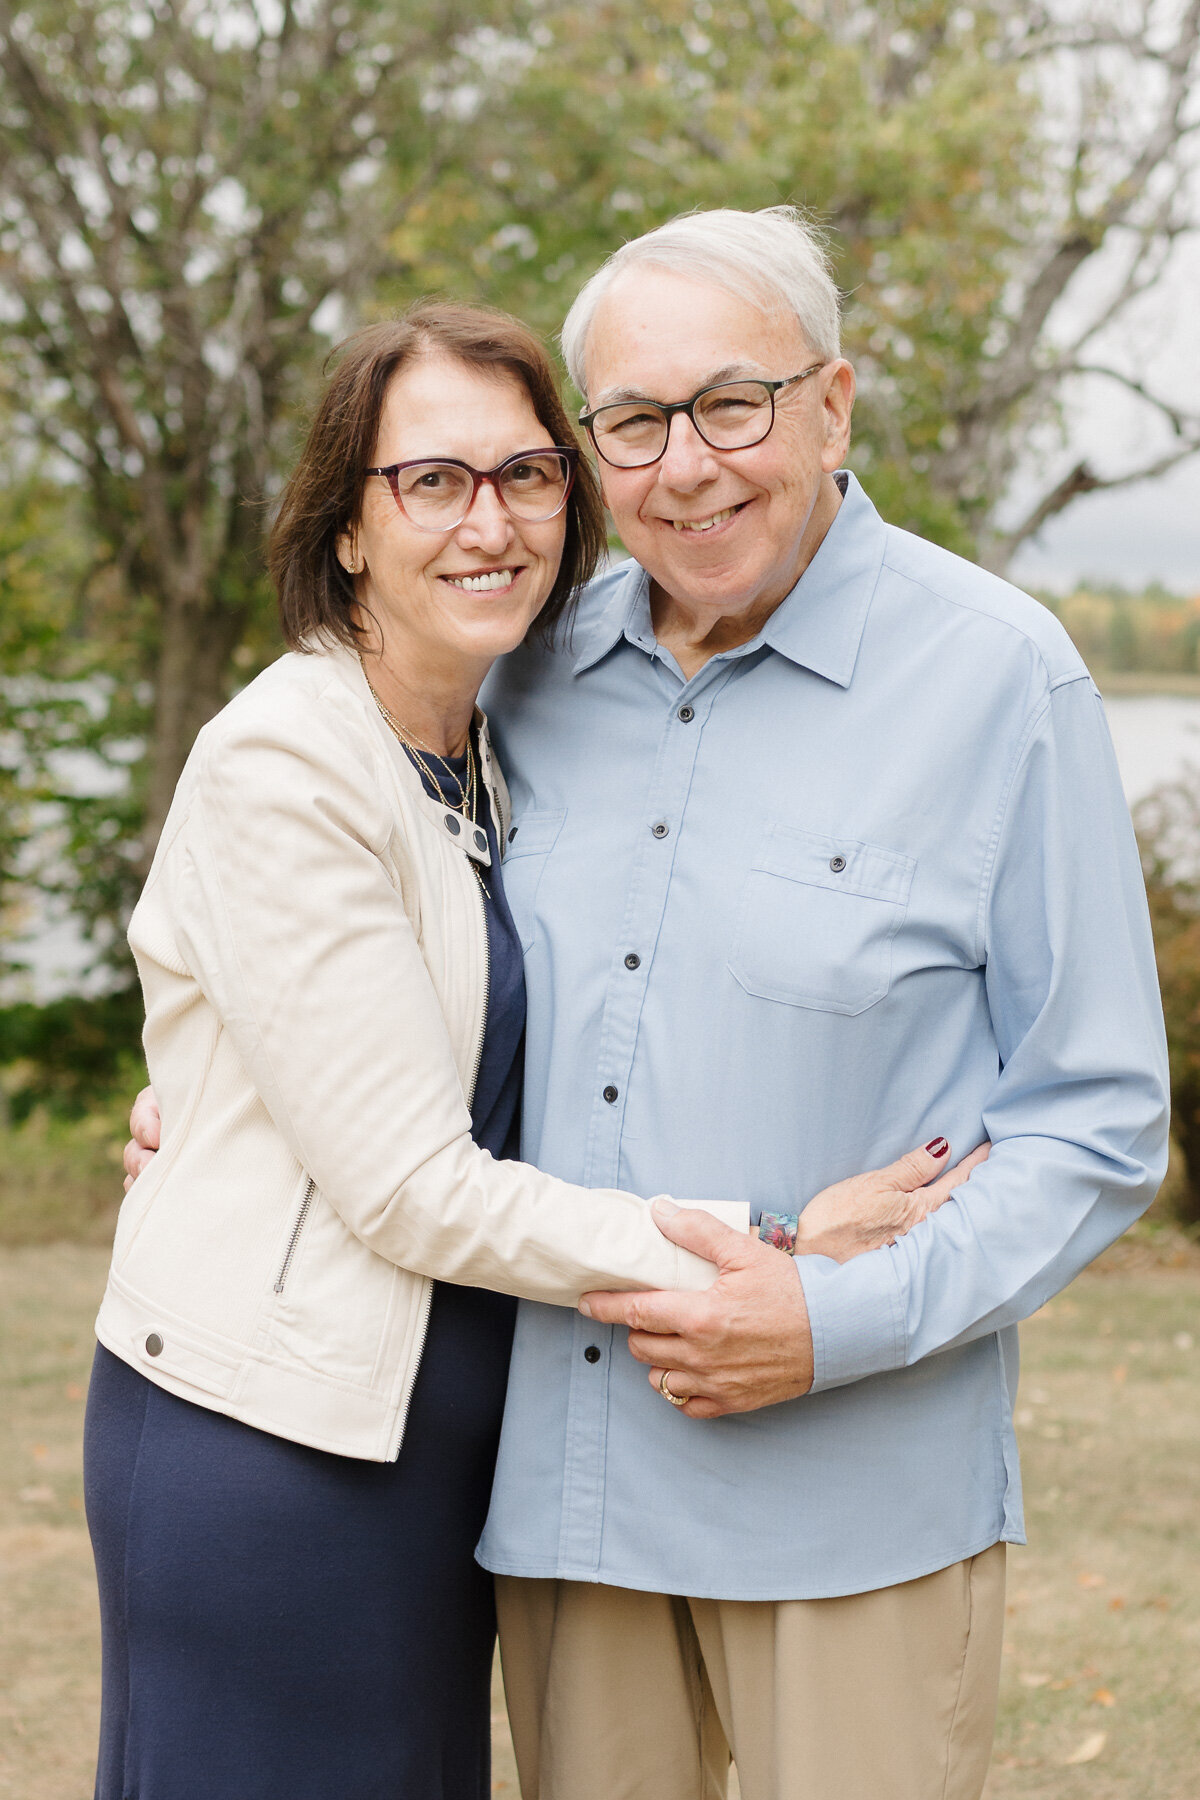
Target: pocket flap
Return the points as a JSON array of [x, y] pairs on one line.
[[533, 834], [844, 865]]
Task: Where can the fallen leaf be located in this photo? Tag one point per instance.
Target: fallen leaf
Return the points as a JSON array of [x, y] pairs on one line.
[[1116, 1604], [73, 1391], [1056, 1687], [1033, 1681], [1183, 1340], [1159, 1603], [1119, 1372], [1091, 1581], [39, 1453], [1103, 1697], [36, 1496], [1089, 1750]]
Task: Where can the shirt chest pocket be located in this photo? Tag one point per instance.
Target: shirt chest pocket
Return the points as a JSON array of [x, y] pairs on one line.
[[530, 841], [817, 918]]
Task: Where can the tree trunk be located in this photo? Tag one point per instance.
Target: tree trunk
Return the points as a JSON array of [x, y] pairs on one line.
[[1185, 1125], [191, 684]]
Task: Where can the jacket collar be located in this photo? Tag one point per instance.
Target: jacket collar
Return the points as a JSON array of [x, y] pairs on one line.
[[819, 625], [346, 666]]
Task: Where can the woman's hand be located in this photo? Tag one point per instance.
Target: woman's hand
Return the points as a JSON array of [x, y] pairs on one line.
[[145, 1123], [870, 1210]]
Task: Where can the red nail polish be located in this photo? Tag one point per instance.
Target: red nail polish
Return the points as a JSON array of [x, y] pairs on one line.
[[938, 1147]]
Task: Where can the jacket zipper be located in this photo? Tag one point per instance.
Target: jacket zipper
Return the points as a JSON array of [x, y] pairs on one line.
[[297, 1228], [427, 1303]]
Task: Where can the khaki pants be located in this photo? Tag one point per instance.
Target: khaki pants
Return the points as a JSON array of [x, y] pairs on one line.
[[890, 1695]]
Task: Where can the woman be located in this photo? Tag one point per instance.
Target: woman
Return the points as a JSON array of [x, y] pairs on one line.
[[303, 1343]]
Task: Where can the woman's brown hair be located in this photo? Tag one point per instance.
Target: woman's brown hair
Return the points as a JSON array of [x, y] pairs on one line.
[[324, 493]]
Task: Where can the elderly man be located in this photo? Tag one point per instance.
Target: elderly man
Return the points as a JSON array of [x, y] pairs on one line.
[[819, 850]]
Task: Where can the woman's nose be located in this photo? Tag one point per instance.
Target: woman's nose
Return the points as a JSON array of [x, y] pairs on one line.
[[487, 526]]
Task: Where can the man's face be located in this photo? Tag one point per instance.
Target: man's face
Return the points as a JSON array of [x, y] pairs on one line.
[[726, 530]]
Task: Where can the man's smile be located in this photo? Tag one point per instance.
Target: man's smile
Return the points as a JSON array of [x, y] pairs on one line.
[[713, 522]]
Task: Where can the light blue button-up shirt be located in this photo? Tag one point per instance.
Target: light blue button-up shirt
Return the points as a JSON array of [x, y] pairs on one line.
[[864, 880]]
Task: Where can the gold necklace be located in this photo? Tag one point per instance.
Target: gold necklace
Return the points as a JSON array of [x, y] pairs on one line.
[[468, 790]]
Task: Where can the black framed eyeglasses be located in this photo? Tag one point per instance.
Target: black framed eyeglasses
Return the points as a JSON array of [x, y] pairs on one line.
[[437, 493], [732, 415]]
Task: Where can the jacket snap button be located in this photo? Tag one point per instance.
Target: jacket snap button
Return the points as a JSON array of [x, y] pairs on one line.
[[480, 841], [154, 1345], [660, 830], [592, 1353], [837, 864], [610, 1094], [453, 824]]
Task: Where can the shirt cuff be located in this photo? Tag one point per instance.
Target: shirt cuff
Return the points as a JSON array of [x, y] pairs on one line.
[[855, 1314]]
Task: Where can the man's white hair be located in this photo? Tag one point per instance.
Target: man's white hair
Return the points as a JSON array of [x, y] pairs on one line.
[[775, 258]]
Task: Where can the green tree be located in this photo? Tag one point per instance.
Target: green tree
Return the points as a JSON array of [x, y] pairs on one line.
[[1002, 185], [190, 197], [195, 200], [1169, 830]]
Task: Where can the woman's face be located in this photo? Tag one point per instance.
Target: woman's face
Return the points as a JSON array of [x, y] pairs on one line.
[[410, 580]]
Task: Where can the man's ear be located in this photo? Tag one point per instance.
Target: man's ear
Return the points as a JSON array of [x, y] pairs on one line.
[[839, 405]]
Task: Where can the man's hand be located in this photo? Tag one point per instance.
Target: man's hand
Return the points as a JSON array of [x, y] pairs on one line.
[[146, 1126], [742, 1343], [745, 1342]]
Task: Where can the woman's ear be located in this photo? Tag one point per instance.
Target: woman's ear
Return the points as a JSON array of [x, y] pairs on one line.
[[346, 550]]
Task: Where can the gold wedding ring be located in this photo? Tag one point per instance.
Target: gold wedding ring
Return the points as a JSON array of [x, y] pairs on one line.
[[664, 1390]]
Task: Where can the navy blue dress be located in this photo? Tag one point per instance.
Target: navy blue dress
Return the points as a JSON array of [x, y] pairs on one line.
[[283, 1624]]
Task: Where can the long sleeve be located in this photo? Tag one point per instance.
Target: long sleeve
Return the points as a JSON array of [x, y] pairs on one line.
[[289, 915], [1078, 1115]]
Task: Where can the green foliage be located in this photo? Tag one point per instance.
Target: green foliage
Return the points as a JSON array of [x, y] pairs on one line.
[[1153, 631], [67, 1055], [904, 127], [1169, 830]]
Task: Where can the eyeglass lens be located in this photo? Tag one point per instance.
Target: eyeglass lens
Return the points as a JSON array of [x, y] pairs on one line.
[[438, 495], [730, 417]]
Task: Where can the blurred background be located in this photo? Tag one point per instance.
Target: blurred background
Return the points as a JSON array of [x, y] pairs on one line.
[[198, 198]]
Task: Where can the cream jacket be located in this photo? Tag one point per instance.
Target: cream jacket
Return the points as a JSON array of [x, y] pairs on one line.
[[312, 948]]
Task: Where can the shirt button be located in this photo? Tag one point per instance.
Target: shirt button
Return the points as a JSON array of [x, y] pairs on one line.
[[512, 834], [837, 864], [592, 1353], [154, 1345], [661, 829], [687, 714], [633, 960], [610, 1094]]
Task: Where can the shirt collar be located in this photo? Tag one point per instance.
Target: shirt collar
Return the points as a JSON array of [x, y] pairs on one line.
[[820, 623]]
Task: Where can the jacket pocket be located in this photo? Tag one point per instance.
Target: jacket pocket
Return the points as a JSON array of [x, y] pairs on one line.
[[817, 919], [531, 838]]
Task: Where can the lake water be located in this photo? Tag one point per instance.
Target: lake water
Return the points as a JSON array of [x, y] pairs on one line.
[[1157, 739]]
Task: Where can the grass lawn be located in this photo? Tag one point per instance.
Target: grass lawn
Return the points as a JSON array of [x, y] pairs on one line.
[[1101, 1693]]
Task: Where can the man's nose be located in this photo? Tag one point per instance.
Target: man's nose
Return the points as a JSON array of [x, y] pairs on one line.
[[487, 526], [687, 462]]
